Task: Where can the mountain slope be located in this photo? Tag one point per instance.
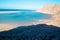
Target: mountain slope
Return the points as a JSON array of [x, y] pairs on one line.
[[39, 32], [53, 10], [50, 9]]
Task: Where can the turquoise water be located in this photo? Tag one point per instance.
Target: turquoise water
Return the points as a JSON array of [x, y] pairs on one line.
[[23, 16]]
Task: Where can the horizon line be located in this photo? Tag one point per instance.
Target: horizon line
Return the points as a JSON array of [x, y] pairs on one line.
[[15, 10]]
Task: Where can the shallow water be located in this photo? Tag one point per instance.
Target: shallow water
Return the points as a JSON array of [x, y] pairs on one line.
[[23, 16]]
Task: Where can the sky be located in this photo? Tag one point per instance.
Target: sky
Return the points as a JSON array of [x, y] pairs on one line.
[[25, 4]]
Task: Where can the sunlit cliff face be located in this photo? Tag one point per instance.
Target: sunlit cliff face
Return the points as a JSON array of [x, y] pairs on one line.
[[54, 10]]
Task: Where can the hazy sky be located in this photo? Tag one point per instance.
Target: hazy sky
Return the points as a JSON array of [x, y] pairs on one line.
[[26, 4]]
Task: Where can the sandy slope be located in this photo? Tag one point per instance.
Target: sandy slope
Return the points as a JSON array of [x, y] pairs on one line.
[[54, 10], [49, 9], [7, 27]]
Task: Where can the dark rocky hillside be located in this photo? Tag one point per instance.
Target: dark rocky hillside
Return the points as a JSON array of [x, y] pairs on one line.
[[33, 32]]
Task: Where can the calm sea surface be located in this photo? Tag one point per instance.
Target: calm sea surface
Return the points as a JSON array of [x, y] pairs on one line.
[[22, 16]]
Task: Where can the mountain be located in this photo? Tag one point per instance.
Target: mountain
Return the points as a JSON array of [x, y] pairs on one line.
[[32, 32], [50, 9], [53, 10]]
